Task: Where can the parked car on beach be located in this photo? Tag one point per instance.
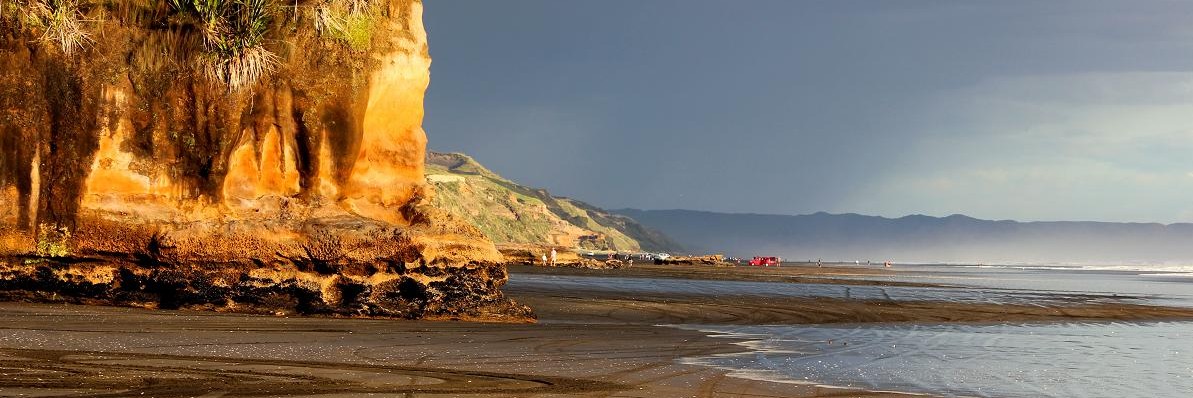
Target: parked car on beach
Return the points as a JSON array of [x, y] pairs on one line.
[[658, 256], [765, 261]]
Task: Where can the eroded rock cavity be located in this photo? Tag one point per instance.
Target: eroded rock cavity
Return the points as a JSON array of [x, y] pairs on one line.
[[249, 155]]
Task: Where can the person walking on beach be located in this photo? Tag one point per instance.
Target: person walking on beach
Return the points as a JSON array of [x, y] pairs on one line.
[[545, 260], [553, 257]]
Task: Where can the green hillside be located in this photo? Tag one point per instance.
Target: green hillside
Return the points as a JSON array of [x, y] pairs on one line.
[[509, 213]]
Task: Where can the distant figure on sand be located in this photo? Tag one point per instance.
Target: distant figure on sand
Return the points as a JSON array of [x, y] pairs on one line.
[[887, 264], [818, 263], [545, 260], [552, 257]]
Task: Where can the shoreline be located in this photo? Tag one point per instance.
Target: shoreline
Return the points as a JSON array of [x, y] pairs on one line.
[[788, 274], [597, 305], [588, 343], [58, 348]]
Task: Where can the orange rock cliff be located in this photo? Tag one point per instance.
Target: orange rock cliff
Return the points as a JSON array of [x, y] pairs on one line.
[[246, 155]]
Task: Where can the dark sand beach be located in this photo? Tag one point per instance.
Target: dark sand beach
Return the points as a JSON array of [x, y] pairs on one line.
[[51, 350], [600, 305], [587, 343]]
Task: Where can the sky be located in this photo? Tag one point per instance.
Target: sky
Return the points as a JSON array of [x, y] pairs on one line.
[[1025, 110]]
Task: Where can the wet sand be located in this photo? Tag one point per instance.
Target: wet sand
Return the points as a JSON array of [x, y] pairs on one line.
[[587, 344], [723, 272], [52, 349], [601, 306], [788, 273]]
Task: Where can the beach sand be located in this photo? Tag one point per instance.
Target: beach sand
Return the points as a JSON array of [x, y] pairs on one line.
[[648, 308], [53, 349], [587, 344]]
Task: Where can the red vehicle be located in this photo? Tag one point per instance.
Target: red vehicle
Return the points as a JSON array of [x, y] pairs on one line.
[[765, 261]]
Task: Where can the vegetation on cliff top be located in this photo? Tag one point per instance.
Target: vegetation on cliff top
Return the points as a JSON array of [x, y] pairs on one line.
[[509, 213], [239, 40]]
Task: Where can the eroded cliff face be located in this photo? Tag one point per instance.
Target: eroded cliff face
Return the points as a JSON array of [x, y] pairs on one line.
[[248, 155]]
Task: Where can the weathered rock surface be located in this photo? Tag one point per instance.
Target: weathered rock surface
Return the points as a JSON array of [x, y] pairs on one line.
[[264, 157]]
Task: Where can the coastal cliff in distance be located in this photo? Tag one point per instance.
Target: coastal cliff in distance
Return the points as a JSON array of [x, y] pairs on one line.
[[511, 214], [242, 155], [924, 239]]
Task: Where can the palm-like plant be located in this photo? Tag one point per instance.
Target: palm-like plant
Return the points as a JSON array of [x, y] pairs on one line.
[[233, 36]]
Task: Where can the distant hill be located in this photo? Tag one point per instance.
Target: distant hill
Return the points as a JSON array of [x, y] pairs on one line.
[[919, 238], [509, 213]]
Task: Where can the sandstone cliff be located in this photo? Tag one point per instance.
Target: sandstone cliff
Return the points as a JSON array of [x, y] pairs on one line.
[[251, 155]]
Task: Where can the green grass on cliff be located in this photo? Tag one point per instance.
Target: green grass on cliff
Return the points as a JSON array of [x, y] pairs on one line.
[[511, 213], [240, 39], [500, 216], [350, 22]]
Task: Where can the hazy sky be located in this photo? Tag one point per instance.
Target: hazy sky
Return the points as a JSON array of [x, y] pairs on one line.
[[1029, 110]]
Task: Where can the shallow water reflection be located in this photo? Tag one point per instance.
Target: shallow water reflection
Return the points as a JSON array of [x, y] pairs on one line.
[[1032, 360]]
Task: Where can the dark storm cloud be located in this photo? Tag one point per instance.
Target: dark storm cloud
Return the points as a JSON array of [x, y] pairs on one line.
[[798, 106]]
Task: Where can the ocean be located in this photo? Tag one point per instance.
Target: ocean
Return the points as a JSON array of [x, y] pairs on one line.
[[1111, 359], [1070, 359], [1055, 359]]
